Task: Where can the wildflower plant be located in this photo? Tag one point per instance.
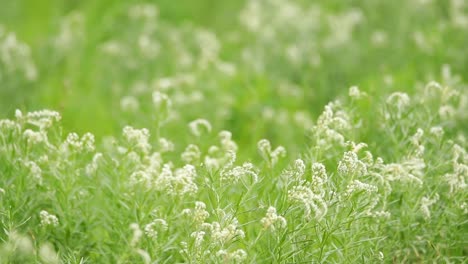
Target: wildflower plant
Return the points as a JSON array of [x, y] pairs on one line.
[[280, 136]]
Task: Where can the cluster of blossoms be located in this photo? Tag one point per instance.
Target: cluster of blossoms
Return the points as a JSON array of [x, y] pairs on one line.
[[330, 126], [217, 235], [270, 156], [151, 229], [357, 186], [75, 144], [459, 176], [199, 125], [272, 220], [42, 119], [351, 165], [426, 202], [181, 182], [281, 31], [311, 202], [48, 219], [137, 139], [198, 214], [15, 57]]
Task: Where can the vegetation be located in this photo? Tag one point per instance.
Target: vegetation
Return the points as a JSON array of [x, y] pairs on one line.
[[257, 131]]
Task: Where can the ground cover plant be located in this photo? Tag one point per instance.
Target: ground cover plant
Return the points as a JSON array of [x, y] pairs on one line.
[[257, 131]]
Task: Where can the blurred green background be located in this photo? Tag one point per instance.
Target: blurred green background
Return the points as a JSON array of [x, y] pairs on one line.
[[80, 85]]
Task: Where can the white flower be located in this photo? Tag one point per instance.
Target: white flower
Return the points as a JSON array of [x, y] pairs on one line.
[[223, 235], [151, 228], [33, 137], [161, 101], [272, 220], [437, 131], [129, 104], [357, 186], [319, 177], [181, 182], [92, 167], [165, 145], [198, 214], [309, 200], [137, 138], [191, 154], [235, 174], [200, 126], [137, 234], [351, 165], [400, 101], [270, 156], [426, 202], [355, 93], [199, 235], [226, 141], [48, 219], [35, 171]]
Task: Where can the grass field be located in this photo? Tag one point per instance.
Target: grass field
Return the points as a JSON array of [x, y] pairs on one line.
[[254, 131]]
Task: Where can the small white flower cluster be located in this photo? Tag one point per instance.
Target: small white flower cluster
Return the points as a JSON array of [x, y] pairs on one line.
[[294, 174], [92, 167], [216, 236], [180, 182], [272, 220], [199, 237], [191, 154], [15, 57], [234, 174], [330, 126], [35, 137], [7, 125], [223, 235], [151, 229], [199, 127], [236, 256], [165, 145], [161, 101], [398, 103], [73, 143], [137, 234], [437, 131], [35, 171], [351, 165], [268, 155], [319, 177], [427, 202], [129, 104], [48, 219], [416, 140], [411, 170], [42, 119], [198, 214], [137, 139], [222, 156], [358, 186], [355, 93], [459, 176], [227, 144], [310, 201]]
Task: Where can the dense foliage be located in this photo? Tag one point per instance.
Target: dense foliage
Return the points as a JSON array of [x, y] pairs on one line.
[[258, 131]]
